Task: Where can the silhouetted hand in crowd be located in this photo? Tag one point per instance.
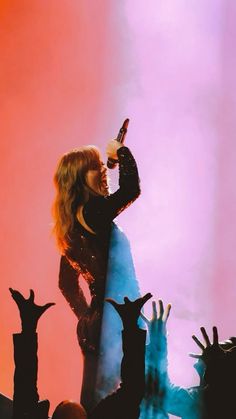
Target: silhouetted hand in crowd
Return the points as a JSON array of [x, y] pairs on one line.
[[156, 358], [29, 311], [157, 324], [219, 376], [210, 351], [130, 310]]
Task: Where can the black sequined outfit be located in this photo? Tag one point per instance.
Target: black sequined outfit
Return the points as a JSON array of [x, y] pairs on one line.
[[88, 254]]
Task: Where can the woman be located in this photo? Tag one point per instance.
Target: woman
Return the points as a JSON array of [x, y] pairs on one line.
[[83, 214]]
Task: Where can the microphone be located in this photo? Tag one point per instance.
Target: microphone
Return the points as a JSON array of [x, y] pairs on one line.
[[111, 163]]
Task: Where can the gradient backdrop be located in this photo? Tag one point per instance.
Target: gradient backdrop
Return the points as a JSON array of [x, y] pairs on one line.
[[70, 72]]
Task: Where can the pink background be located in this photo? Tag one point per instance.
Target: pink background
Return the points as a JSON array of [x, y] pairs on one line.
[[70, 72]]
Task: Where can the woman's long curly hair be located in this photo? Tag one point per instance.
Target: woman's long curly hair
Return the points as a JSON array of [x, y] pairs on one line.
[[71, 190]]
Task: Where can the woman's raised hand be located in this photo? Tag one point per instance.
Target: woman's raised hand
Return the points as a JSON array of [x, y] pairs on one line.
[[112, 148]]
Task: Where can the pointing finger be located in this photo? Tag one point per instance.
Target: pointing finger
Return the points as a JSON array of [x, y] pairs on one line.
[[215, 336], [205, 336], [31, 297], [167, 313], [154, 310], [196, 356], [145, 319], [197, 341], [161, 309], [112, 302], [145, 298], [48, 305], [127, 300]]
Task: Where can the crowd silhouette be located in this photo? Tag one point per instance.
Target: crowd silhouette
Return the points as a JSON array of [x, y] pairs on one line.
[[145, 389]]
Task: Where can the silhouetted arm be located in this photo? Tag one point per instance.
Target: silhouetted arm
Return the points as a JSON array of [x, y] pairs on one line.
[[25, 377], [26, 398], [214, 358], [126, 400], [156, 360], [161, 395]]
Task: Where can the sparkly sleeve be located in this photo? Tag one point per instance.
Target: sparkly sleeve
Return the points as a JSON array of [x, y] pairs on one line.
[[70, 288], [102, 210]]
